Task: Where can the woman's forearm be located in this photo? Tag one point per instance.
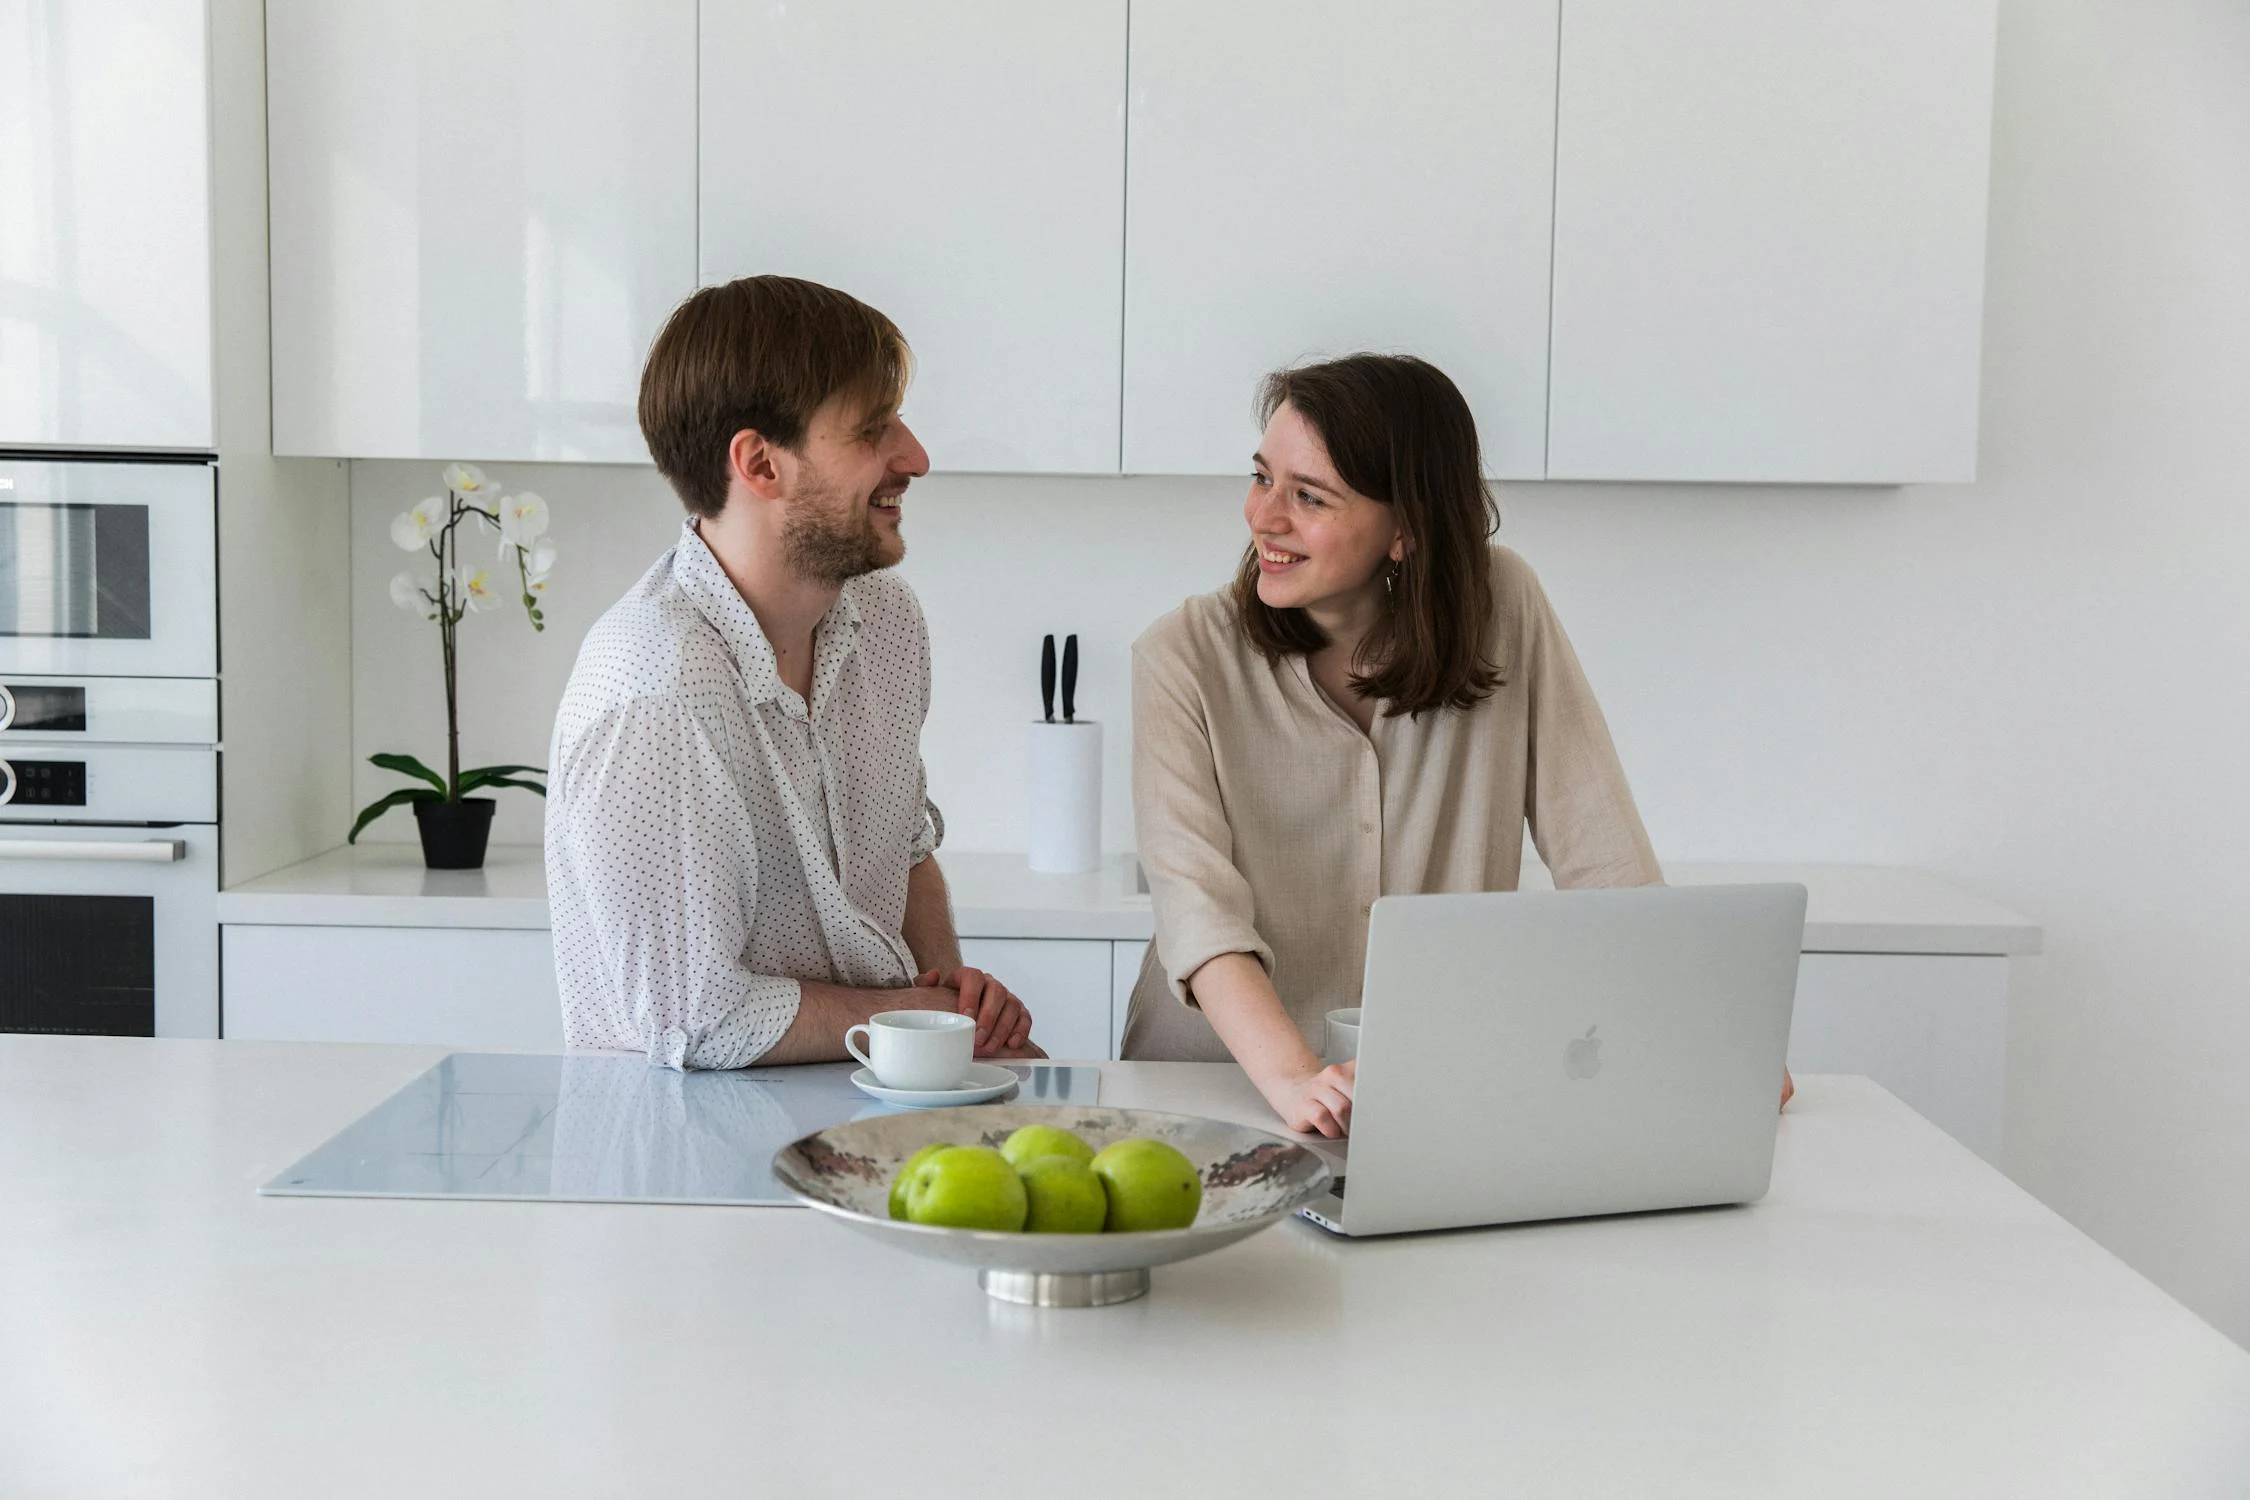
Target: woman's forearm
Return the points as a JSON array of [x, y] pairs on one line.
[[1246, 1011]]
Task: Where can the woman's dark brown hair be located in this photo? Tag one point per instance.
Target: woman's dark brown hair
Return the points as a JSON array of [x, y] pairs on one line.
[[1397, 431]]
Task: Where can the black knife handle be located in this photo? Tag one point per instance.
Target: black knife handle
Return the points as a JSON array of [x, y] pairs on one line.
[[1047, 677], [1070, 680]]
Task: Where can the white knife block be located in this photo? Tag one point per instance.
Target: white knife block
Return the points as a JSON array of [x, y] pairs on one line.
[[1066, 797]]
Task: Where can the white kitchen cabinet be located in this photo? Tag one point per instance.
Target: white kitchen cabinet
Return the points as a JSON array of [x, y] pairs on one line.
[[1065, 983], [1124, 973], [482, 212], [1316, 177], [466, 987], [1769, 240], [959, 167], [1931, 1028], [105, 225]]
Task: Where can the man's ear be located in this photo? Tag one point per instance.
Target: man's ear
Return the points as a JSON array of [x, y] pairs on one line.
[[757, 465]]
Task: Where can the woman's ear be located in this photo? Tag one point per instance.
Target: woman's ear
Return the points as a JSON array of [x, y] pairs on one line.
[[1398, 546]]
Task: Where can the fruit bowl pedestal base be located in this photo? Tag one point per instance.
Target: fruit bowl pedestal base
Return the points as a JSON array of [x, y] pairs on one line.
[[1064, 1288]]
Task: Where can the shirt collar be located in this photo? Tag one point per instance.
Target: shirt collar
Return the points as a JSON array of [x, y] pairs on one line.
[[721, 603]]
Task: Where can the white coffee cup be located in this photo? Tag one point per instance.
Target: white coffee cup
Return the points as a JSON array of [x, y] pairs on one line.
[[916, 1049], [1339, 1040]]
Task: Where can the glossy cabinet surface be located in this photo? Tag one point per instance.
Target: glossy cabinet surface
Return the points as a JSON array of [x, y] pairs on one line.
[[482, 212], [105, 225], [1063, 983], [1315, 177], [957, 166], [1769, 240]]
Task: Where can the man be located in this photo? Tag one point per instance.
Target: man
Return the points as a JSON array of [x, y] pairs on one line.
[[739, 843]]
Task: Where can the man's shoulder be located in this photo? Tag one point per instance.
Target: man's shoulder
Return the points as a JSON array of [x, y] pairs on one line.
[[652, 643], [887, 604]]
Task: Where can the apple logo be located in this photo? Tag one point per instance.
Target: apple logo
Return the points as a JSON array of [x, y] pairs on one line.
[[1583, 1057]]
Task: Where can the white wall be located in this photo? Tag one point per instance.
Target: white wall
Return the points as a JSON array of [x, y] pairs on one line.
[[2034, 684]]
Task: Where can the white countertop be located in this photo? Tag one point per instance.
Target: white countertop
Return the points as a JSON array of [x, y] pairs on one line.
[[1895, 1318], [1851, 908]]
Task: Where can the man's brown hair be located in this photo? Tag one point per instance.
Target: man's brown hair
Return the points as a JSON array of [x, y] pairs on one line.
[[1397, 431], [763, 353]]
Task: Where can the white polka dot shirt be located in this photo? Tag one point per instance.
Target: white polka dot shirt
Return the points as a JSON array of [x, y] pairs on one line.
[[711, 840]]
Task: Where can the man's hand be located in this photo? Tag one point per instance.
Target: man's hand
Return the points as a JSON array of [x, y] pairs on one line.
[[1317, 1103], [1003, 1025]]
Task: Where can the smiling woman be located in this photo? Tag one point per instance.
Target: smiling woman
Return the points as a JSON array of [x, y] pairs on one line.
[[1378, 705]]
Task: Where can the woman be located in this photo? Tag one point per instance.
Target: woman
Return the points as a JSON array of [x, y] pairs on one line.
[[1378, 705]]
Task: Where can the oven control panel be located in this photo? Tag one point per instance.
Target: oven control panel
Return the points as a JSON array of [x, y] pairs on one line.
[[43, 783]]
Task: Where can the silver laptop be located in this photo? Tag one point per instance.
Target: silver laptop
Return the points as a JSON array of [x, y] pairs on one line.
[[1550, 1054]]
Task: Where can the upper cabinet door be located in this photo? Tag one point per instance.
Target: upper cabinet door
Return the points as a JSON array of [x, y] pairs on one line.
[[958, 166], [105, 225], [483, 210], [1317, 177], [1769, 239]]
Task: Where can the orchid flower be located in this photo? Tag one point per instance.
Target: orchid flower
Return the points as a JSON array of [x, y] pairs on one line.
[[410, 593], [413, 529], [467, 479], [523, 520], [475, 586]]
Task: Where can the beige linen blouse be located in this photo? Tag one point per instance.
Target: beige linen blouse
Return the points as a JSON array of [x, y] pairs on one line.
[[1269, 823]]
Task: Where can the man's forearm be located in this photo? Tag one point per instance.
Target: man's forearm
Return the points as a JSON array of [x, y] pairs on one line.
[[826, 1011], [928, 927]]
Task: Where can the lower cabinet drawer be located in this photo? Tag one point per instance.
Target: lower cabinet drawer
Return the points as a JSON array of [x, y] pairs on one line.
[[1065, 983], [474, 988], [1931, 1028]]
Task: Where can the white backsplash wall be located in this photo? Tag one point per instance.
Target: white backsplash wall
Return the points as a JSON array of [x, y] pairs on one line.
[[2031, 684]]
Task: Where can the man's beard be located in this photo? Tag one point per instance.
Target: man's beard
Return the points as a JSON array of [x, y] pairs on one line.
[[821, 546]]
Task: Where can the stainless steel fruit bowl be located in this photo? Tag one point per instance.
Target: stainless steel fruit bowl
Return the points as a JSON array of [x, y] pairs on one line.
[[1250, 1180]]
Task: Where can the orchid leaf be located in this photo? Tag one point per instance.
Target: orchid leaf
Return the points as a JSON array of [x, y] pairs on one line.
[[407, 765], [374, 810], [490, 776]]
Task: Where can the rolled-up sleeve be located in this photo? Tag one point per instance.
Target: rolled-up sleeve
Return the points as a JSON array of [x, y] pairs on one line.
[[1203, 905], [1581, 812], [662, 856]]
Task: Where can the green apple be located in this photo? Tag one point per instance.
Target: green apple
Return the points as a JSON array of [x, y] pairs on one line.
[[1149, 1186], [1066, 1197], [1034, 1141], [967, 1187], [898, 1182]]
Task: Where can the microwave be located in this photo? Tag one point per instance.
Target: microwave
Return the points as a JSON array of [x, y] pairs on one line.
[[108, 568]]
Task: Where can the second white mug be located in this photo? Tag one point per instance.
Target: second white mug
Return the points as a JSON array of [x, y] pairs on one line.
[[916, 1049]]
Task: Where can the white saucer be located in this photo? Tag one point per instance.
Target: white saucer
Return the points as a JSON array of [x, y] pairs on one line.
[[984, 1081]]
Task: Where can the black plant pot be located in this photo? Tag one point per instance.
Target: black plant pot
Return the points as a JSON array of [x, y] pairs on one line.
[[454, 833]]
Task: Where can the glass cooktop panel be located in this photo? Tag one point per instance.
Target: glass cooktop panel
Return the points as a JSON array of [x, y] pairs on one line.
[[596, 1128]]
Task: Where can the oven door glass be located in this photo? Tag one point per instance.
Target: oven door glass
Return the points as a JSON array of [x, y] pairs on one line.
[[82, 965], [74, 572]]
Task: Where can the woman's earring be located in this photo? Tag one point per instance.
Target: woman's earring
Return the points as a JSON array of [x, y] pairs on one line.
[[1390, 582]]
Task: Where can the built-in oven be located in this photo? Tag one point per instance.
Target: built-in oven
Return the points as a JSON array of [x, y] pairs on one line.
[[108, 568], [109, 855]]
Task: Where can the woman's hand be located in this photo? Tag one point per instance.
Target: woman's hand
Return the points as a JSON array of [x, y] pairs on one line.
[[1788, 1088], [1003, 1025], [1318, 1103]]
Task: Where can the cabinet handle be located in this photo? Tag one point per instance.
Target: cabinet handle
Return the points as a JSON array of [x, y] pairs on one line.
[[147, 852]]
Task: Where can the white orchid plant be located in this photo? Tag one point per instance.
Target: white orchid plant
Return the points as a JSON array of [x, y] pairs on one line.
[[461, 588]]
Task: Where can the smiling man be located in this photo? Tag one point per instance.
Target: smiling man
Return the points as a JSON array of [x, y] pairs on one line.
[[739, 841]]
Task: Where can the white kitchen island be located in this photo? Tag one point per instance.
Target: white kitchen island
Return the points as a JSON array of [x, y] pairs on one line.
[[1894, 1319]]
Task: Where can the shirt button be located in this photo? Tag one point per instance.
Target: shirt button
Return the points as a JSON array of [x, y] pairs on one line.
[[1367, 828], [1366, 909]]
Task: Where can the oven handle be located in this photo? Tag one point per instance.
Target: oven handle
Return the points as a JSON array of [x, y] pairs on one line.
[[147, 852]]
